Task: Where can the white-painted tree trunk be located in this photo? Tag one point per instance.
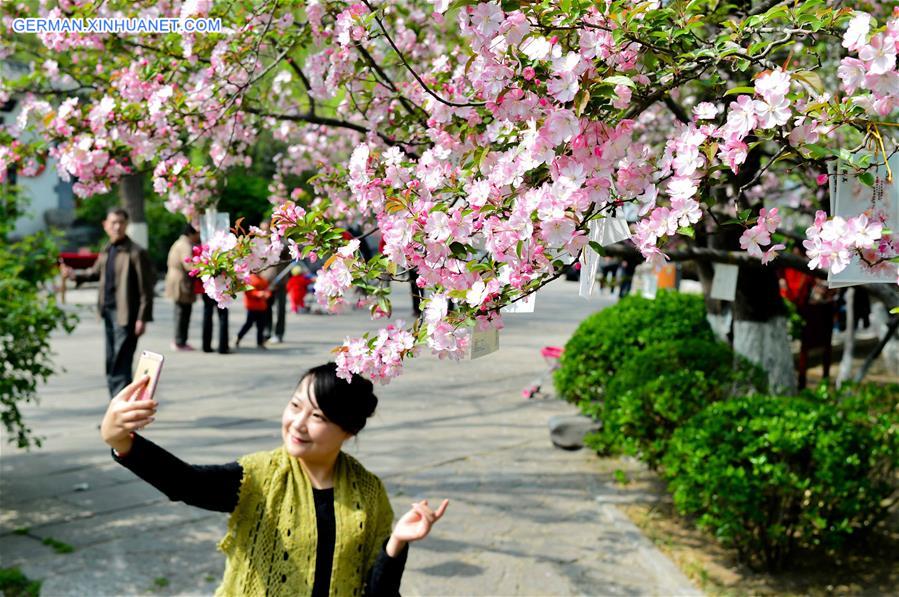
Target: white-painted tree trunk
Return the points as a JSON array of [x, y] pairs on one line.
[[767, 344], [845, 372]]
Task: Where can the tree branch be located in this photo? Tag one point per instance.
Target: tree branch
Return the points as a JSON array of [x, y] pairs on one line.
[[676, 110], [411, 70]]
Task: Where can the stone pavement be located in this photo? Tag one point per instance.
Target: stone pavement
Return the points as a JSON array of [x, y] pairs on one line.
[[524, 518]]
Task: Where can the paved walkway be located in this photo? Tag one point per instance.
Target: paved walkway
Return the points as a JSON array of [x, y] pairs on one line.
[[524, 519]]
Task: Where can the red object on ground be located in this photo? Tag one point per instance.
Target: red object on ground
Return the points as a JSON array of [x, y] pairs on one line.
[[78, 260], [552, 352]]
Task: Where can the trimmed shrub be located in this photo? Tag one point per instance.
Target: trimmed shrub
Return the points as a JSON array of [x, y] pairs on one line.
[[769, 474], [605, 340], [658, 389]]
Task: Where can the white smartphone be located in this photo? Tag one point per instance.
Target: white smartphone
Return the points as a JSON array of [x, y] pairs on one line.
[[150, 363]]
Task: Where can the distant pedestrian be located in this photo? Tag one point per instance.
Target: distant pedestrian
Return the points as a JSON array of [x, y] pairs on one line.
[[125, 299], [256, 302], [628, 268], [210, 310], [297, 287], [179, 286], [276, 311], [306, 518]]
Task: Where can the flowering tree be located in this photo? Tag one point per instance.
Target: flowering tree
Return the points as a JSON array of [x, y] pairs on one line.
[[489, 143]]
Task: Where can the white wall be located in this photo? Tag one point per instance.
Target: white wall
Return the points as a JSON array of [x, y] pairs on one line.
[[40, 191]]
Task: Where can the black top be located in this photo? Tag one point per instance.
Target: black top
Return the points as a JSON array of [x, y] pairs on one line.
[[326, 524], [109, 278], [217, 487]]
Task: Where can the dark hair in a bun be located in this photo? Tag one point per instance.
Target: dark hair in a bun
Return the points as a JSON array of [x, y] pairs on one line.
[[348, 404]]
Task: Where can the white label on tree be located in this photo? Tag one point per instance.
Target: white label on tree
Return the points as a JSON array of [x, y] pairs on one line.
[[612, 230], [724, 284], [211, 222], [525, 305], [879, 202], [589, 262], [483, 342]]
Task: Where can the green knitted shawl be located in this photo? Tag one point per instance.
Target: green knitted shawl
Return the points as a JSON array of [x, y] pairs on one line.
[[272, 535]]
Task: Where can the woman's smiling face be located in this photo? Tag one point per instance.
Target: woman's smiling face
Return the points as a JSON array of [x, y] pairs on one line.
[[306, 431]]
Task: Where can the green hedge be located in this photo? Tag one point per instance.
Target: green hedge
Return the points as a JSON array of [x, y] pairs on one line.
[[605, 340], [657, 390], [769, 474]]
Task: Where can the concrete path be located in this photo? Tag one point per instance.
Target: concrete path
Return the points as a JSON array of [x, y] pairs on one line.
[[524, 519]]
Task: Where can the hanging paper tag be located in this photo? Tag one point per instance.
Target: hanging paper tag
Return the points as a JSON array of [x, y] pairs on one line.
[[211, 222], [879, 202], [525, 305], [483, 342], [589, 262], [724, 284], [612, 230]]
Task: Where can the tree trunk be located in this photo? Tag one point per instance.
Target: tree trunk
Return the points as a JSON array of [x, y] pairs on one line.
[[755, 324], [131, 193], [760, 327]]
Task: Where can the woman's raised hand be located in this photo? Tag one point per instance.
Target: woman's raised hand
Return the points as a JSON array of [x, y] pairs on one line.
[[127, 412], [414, 525]]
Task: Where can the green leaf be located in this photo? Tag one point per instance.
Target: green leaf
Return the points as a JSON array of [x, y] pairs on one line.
[[619, 80], [740, 90], [597, 247], [867, 178], [686, 231]]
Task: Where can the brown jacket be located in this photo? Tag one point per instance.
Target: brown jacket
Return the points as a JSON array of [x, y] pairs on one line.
[[178, 285], [134, 282]]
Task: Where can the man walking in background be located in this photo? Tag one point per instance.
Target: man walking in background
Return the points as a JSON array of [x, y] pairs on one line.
[[125, 300], [179, 286]]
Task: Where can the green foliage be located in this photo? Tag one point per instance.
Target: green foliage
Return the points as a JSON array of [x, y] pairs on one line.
[[245, 195], [605, 340], [15, 584], [58, 546], [769, 474], [659, 389], [163, 229], [28, 317]]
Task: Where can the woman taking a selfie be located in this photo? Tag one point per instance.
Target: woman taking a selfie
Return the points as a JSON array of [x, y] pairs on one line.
[[306, 518]]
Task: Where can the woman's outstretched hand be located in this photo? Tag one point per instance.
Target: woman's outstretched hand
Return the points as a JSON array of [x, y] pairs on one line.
[[414, 526], [127, 413]]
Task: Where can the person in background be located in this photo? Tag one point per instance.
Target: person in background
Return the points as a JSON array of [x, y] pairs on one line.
[[276, 312], [210, 308], [179, 286], [627, 270], [297, 287], [125, 300], [256, 302]]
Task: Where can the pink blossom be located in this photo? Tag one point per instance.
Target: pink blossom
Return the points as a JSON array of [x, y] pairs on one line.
[[682, 187], [857, 33], [771, 253], [705, 111], [879, 55], [486, 18], [623, 99], [772, 114], [741, 118], [862, 233], [563, 87], [852, 73], [773, 86]]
